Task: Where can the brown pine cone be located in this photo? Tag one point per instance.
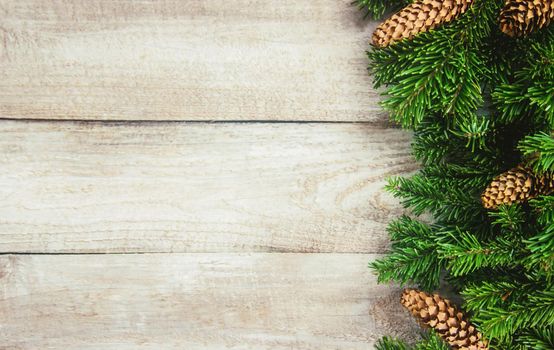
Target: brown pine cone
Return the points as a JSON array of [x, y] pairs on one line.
[[418, 17], [440, 314], [522, 17], [516, 185]]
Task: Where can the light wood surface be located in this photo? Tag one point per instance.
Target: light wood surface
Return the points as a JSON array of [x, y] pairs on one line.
[[195, 301], [185, 60], [128, 220], [173, 187]]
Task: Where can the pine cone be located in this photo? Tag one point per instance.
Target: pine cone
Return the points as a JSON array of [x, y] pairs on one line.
[[522, 17], [516, 185], [418, 17], [441, 315]]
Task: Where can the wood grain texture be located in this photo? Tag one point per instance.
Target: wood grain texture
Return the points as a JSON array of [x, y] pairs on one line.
[[185, 60], [197, 187], [195, 301], [233, 211]]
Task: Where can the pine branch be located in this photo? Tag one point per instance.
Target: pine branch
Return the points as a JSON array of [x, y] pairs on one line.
[[387, 343], [538, 339], [465, 253], [541, 248], [431, 143], [412, 257], [430, 341], [375, 9], [539, 148], [441, 196], [544, 207], [503, 323], [439, 71], [530, 93], [474, 128], [510, 218], [487, 294]]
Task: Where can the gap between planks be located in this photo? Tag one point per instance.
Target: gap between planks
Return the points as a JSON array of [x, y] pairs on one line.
[[163, 252], [381, 123]]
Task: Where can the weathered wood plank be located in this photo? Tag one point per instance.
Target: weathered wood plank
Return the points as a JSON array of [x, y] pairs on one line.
[[196, 187], [195, 301], [184, 60]]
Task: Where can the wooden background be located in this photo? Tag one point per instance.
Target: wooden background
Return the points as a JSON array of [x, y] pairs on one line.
[[193, 175]]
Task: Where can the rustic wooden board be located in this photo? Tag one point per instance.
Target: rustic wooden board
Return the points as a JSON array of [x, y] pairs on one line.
[[240, 206], [184, 60], [195, 301], [197, 187]]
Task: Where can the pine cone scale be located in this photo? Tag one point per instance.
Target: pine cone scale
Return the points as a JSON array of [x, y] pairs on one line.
[[438, 313], [416, 18], [522, 17], [516, 185]]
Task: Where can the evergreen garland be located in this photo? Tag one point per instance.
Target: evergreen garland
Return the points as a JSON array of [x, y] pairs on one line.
[[479, 102]]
